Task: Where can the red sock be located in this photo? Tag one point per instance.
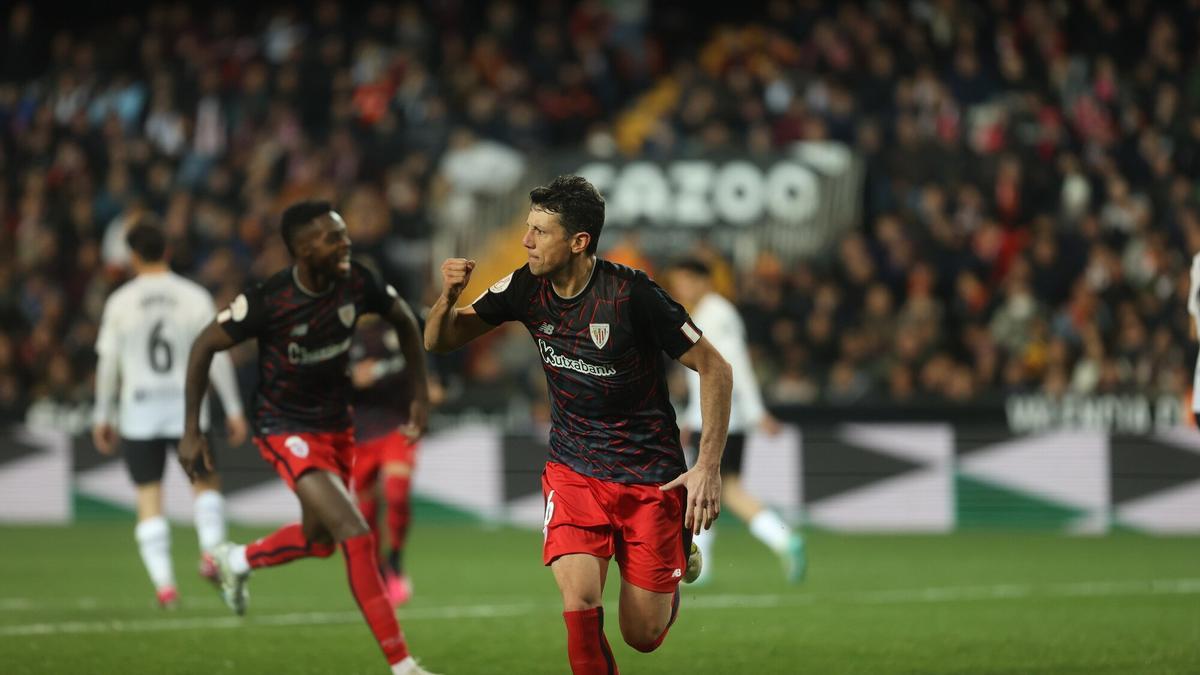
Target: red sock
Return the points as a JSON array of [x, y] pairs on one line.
[[367, 587], [369, 508], [395, 491], [284, 545], [587, 648]]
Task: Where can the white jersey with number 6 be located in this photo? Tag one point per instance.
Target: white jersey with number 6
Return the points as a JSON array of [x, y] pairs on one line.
[[146, 333]]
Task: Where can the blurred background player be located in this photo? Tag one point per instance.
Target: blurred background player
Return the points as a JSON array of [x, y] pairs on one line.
[[145, 333], [304, 318], [691, 283], [385, 443], [611, 482]]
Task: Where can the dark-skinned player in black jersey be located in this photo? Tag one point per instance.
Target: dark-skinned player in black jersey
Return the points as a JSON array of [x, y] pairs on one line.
[[304, 318], [616, 484]]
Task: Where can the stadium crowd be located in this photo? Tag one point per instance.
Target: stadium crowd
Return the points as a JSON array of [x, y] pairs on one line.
[[214, 120], [1030, 208], [1029, 204]]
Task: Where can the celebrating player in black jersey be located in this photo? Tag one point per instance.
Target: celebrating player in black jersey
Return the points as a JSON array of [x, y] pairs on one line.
[[612, 483], [304, 320]]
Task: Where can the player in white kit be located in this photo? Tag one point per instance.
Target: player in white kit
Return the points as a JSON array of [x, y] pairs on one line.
[[691, 284], [146, 332]]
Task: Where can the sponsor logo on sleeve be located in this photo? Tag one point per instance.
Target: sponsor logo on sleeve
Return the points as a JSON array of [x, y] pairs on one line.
[[499, 286], [236, 311]]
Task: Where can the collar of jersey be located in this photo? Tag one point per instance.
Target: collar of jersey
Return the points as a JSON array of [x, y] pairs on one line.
[[586, 286], [311, 294]]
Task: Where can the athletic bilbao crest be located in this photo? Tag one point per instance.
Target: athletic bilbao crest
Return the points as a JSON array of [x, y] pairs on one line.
[[599, 333], [346, 314]]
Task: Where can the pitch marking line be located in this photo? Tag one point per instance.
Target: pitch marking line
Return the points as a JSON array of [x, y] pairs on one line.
[[1089, 589]]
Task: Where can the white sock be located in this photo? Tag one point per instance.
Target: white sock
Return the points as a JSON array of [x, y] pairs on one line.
[[704, 541], [237, 560], [770, 529], [404, 667], [154, 543], [209, 509]]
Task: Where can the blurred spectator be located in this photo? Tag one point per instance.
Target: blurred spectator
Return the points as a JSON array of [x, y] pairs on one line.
[[1030, 200], [217, 120]]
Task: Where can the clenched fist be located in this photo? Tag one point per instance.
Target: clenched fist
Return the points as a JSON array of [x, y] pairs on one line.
[[456, 274]]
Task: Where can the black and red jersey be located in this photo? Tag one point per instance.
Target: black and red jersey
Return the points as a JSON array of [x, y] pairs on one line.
[[602, 353], [384, 406], [304, 343]]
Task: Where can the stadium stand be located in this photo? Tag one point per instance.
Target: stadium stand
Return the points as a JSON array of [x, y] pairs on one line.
[[1028, 211]]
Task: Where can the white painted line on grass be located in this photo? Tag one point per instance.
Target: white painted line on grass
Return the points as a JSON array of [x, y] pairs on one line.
[[1089, 589], [290, 619]]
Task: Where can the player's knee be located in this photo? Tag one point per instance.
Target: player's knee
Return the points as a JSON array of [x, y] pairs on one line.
[[321, 545], [319, 538], [401, 469], [575, 602], [644, 638]]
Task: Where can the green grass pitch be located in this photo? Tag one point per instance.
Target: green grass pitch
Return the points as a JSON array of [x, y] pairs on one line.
[[76, 600]]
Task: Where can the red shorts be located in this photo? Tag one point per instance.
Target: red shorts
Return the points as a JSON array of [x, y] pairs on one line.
[[295, 454], [370, 456], [639, 524]]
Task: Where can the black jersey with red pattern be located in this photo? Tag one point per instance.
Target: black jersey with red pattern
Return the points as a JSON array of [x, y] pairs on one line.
[[382, 407], [602, 353], [304, 343]]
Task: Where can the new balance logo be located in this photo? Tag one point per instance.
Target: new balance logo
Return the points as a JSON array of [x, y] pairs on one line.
[[677, 573], [546, 328]]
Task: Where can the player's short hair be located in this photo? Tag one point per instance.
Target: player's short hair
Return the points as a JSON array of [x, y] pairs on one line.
[[576, 202], [694, 265], [296, 216], [147, 240]]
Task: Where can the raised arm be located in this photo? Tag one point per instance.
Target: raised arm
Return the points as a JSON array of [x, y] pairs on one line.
[[449, 327], [402, 319], [193, 447]]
